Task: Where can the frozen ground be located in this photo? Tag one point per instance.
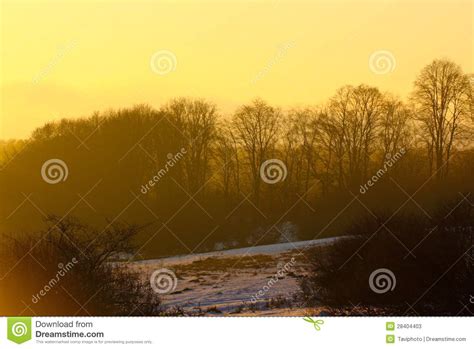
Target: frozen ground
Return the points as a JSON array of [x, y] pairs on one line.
[[242, 281]]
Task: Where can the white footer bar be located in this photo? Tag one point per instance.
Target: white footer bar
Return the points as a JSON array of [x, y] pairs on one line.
[[235, 332]]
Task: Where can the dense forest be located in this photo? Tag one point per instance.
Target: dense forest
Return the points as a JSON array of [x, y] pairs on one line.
[[193, 179]]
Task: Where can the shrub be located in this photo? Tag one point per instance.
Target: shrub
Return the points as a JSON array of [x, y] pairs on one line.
[[431, 260], [69, 270]]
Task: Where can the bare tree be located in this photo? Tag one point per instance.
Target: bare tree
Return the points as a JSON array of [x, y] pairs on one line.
[[300, 145], [351, 129], [395, 129], [292, 155], [256, 127], [196, 120], [227, 156], [443, 97]]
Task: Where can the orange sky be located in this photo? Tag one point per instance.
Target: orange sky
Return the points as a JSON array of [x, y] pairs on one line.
[[69, 58]]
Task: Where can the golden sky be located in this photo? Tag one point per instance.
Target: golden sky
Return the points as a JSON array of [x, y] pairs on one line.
[[69, 58]]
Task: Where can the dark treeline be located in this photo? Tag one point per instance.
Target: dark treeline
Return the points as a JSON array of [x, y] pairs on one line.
[[192, 177]]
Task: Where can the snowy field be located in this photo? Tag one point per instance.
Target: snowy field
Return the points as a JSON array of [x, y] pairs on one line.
[[261, 280]]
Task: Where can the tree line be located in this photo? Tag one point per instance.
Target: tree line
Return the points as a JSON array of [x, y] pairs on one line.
[[219, 193]]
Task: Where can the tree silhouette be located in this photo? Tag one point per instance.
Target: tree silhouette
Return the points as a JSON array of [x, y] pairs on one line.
[[442, 97]]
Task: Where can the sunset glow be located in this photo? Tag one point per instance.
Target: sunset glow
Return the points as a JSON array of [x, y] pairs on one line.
[[67, 59]]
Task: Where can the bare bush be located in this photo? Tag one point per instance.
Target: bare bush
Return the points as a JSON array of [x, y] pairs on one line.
[[432, 265], [92, 283]]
